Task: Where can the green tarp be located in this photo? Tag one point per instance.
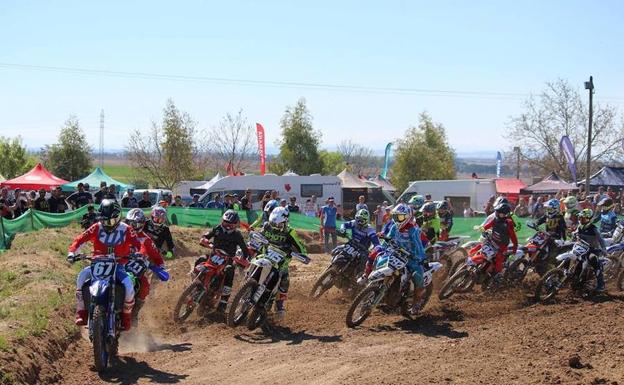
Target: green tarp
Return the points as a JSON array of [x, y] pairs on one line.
[[94, 180], [191, 217]]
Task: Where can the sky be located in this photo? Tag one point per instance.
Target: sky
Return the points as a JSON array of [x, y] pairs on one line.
[[469, 64]]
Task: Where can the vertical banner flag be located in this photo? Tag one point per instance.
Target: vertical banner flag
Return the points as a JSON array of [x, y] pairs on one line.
[[568, 150], [499, 162], [384, 173], [261, 148]]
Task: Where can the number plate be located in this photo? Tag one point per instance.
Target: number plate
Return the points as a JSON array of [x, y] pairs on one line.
[[350, 250], [217, 260], [580, 249], [539, 239], [136, 267], [103, 268], [488, 250], [275, 255]]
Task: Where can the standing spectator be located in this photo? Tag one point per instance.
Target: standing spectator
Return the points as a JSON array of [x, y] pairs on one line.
[[196, 203], [309, 210], [468, 211], [328, 223], [112, 193], [293, 207], [489, 205], [101, 194], [215, 203], [41, 203], [317, 209], [379, 217], [177, 201], [428, 198], [361, 204], [538, 209], [600, 195], [274, 194], [611, 193], [521, 209], [21, 203], [129, 200], [89, 218], [265, 199], [247, 201], [145, 200], [80, 198], [227, 202], [32, 195], [56, 202], [5, 204]]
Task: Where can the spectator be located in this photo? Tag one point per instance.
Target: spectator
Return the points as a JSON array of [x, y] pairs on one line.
[[474, 175], [89, 218], [177, 201], [32, 195], [317, 208], [489, 205], [361, 204], [468, 211], [101, 194], [283, 203], [328, 223], [145, 200], [129, 200], [41, 203], [521, 210], [428, 198], [309, 210], [274, 194], [56, 202], [611, 193], [196, 203], [293, 207], [538, 209], [600, 195], [80, 198], [21, 203], [247, 201], [5, 204], [215, 203], [227, 203], [379, 217], [168, 199], [112, 193]]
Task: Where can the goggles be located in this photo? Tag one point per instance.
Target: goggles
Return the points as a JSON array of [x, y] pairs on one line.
[[399, 217]]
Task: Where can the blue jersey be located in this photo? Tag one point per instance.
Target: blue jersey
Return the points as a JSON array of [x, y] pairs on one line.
[[363, 237], [409, 239], [608, 222]]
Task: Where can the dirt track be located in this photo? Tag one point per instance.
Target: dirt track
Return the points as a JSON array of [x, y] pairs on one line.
[[475, 339]]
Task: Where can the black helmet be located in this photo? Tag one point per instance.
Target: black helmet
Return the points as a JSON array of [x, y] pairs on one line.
[[230, 220], [500, 200], [443, 205], [428, 209], [109, 214], [503, 208]]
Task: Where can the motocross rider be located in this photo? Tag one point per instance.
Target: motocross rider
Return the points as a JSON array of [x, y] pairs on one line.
[[156, 227], [446, 220], [362, 233], [136, 219], [571, 212], [415, 203], [109, 236], [553, 219], [277, 231], [502, 232], [498, 201], [588, 232], [607, 217], [266, 212], [430, 222], [228, 238]]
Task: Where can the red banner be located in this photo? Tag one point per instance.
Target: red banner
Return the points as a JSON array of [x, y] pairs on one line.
[[261, 149]]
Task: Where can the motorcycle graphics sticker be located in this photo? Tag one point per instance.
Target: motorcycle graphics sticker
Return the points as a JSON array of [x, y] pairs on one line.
[[217, 260], [102, 269], [114, 238]]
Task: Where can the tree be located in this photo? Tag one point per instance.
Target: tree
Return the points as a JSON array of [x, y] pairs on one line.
[[70, 157], [233, 142], [167, 154], [424, 153], [558, 111], [299, 144], [357, 157], [333, 162], [14, 159]]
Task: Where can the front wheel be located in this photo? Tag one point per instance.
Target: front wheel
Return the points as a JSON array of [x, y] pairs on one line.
[[362, 306], [549, 285], [187, 302], [323, 283], [454, 261], [256, 318], [241, 304], [516, 272], [100, 354], [461, 282]]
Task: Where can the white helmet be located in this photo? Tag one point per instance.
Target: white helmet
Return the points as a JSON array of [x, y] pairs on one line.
[[279, 217], [136, 219]]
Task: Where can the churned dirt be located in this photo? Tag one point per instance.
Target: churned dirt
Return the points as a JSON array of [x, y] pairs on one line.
[[470, 339]]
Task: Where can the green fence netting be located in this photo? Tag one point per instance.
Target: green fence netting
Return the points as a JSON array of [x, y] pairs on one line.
[[33, 220]]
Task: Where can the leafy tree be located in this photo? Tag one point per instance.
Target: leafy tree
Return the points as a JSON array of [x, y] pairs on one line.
[[424, 153], [557, 111], [14, 159], [299, 144], [356, 156], [70, 157], [333, 162], [233, 142], [167, 154]]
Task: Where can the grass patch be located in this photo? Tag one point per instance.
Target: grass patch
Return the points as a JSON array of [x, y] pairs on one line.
[[5, 346], [123, 173]]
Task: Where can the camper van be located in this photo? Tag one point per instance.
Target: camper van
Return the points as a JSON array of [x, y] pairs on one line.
[[301, 187], [475, 192]]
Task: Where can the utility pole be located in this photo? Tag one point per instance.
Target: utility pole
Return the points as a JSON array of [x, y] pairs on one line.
[[517, 150], [101, 138], [590, 87]]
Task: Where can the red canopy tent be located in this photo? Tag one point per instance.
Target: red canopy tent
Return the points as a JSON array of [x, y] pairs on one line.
[[510, 188], [37, 178]]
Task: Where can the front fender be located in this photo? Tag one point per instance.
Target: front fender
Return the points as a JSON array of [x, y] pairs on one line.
[[99, 291], [566, 256]]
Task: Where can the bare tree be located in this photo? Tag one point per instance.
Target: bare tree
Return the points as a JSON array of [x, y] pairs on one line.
[[233, 142], [356, 156], [558, 111]]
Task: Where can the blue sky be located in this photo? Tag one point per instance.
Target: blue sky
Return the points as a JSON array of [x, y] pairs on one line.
[[510, 47]]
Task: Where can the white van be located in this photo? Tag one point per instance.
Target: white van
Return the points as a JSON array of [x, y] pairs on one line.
[[301, 187], [475, 192]]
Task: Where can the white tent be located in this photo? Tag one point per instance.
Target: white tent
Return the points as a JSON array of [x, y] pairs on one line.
[[210, 183]]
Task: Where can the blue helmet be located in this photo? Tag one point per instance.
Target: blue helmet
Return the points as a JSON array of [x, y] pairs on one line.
[[552, 207]]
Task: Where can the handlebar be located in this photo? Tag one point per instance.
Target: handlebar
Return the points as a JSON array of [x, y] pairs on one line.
[[301, 258]]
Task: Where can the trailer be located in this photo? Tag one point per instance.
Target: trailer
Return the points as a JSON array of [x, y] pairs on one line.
[[475, 192]]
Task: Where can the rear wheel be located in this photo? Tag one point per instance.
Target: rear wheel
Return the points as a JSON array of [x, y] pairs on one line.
[[362, 306], [241, 304], [323, 283], [549, 285], [100, 354], [187, 302], [462, 281], [516, 272]]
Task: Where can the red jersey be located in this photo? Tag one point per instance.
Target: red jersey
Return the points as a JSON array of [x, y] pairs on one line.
[[149, 249], [503, 232], [122, 242]]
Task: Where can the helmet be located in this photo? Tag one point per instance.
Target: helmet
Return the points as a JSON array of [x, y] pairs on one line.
[[279, 217], [502, 210], [570, 202], [402, 215], [230, 220], [362, 217], [443, 205], [273, 203], [159, 215], [416, 201], [606, 204], [428, 209], [109, 214], [552, 207], [500, 200], [136, 219], [585, 217]]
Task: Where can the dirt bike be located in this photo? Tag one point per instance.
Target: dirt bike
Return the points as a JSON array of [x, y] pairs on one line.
[[390, 284], [574, 269], [104, 299], [476, 270], [206, 288], [256, 295], [450, 253]]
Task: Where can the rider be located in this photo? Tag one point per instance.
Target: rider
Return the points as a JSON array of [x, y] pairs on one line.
[[109, 236], [156, 227], [589, 233], [430, 222], [502, 232], [446, 219], [362, 233], [136, 219], [415, 203], [277, 231], [498, 201], [553, 219], [407, 235], [228, 238], [266, 212], [571, 212], [608, 218]]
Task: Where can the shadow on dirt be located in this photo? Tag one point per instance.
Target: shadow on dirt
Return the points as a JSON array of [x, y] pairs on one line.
[[129, 371], [176, 348], [273, 334], [427, 325]]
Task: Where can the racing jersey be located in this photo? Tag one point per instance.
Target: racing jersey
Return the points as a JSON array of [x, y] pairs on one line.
[[363, 237], [160, 234], [431, 228], [409, 239], [121, 242], [227, 242], [446, 221], [555, 225], [502, 232]]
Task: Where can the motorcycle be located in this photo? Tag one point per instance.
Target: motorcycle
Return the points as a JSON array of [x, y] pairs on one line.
[[104, 299], [206, 288], [476, 270], [574, 268], [451, 253], [390, 283], [258, 292]]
